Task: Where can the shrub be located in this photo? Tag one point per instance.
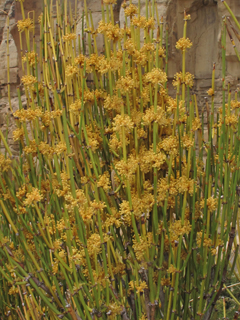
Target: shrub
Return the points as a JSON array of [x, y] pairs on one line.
[[118, 206]]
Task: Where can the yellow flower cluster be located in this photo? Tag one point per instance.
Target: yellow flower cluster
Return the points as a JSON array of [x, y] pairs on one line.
[[32, 197], [114, 219], [127, 168], [76, 106], [113, 32], [161, 52], [115, 143], [46, 149], [176, 230], [25, 24], [113, 103], [97, 205], [122, 122], [210, 92], [165, 281], [94, 137], [80, 60], [40, 18], [31, 57], [130, 46], [175, 187], [28, 115], [71, 70], [5, 163], [151, 116], [235, 104], [31, 148], [207, 241], [150, 24], [125, 212], [131, 10], [152, 159], [29, 80], [183, 44], [125, 84], [231, 120], [187, 141], [142, 206], [140, 247], [139, 21], [196, 124], [60, 148], [139, 288], [47, 116], [185, 185], [103, 65], [170, 145], [188, 79], [114, 309], [13, 290], [172, 269], [156, 76], [140, 58], [94, 244], [179, 229], [211, 204], [21, 191], [18, 134], [86, 213], [69, 37], [104, 181]]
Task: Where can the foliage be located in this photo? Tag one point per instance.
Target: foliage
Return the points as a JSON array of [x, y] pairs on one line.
[[228, 306], [122, 204]]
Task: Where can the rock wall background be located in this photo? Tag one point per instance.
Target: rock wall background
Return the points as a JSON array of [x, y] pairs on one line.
[[204, 30]]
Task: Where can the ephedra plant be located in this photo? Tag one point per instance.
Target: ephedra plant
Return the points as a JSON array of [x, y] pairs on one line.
[[118, 206]]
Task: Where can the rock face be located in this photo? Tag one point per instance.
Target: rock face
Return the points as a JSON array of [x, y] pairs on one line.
[[204, 30]]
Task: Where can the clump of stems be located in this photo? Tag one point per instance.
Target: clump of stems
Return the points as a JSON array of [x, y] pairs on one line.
[[122, 204]]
